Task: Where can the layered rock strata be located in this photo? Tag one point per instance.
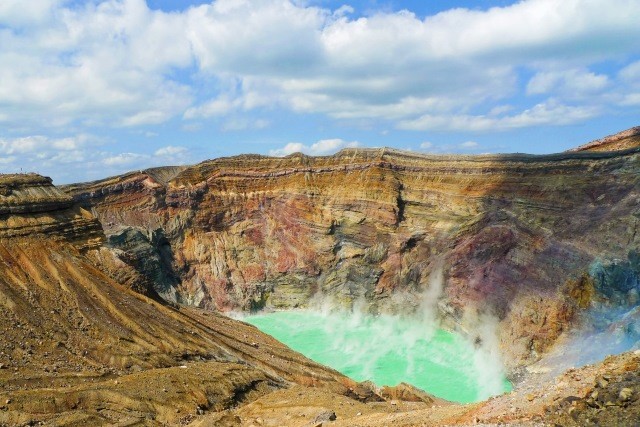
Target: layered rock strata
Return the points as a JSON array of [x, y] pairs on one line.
[[531, 241], [31, 205], [516, 236], [78, 348], [627, 139]]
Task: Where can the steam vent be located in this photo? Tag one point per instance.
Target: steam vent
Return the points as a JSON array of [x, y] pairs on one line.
[[132, 300]]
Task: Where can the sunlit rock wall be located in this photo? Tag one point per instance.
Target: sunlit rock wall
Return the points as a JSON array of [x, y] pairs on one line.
[[511, 232]]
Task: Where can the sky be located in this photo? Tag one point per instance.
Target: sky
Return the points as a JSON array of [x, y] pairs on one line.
[[90, 89]]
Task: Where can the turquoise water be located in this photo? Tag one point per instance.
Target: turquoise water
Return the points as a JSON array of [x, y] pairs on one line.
[[388, 350]]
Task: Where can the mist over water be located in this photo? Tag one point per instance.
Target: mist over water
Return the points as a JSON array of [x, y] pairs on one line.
[[605, 331], [388, 350]]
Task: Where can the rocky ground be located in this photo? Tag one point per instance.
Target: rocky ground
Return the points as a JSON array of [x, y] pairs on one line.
[[605, 394]]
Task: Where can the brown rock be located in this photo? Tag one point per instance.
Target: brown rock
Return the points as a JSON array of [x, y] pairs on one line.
[[625, 394], [250, 231], [406, 392]]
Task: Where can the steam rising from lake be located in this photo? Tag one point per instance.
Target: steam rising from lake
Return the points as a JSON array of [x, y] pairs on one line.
[[389, 349]]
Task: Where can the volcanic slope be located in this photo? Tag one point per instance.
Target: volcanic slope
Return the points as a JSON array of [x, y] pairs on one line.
[[77, 348], [532, 241]]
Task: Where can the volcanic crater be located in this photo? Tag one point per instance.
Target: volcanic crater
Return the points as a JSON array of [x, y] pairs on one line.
[[113, 293]]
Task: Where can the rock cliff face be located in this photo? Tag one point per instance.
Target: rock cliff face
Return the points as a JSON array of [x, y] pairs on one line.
[[516, 236], [78, 348], [30, 204], [629, 138]]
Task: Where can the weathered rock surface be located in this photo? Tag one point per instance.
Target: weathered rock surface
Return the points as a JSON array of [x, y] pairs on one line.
[[517, 236], [31, 205], [627, 139], [532, 240], [77, 348]]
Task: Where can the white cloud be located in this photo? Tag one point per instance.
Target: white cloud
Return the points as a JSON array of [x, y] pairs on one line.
[[238, 123], [84, 154], [118, 63], [631, 99], [255, 37], [40, 145], [320, 148], [102, 63], [14, 12], [394, 65], [500, 109], [426, 145], [548, 113], [469, 144], [123, 159], [170, 150], [220, 106], [631, 73], [572, 83], [39, 153]]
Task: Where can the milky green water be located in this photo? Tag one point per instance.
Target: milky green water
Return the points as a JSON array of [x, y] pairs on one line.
[[388, 350]]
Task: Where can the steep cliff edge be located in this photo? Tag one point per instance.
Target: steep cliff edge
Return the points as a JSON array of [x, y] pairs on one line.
[[31, 205], [518, 237], [78, 348], [624, 140]]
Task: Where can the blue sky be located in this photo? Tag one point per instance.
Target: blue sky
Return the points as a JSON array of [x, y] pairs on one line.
[[90, 89]]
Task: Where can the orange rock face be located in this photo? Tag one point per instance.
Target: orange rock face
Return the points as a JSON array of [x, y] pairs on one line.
[[78, 348], [510, 231]]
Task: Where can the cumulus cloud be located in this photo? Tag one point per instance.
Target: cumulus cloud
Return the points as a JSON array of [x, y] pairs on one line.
[[40, 153], [395, 65], [42, 146], [102, 63], [119, 63], [14, 12], [320, 148]]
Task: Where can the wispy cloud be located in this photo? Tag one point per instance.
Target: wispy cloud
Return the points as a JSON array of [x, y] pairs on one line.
[[548, 113], [63, 156], [322, 147]]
